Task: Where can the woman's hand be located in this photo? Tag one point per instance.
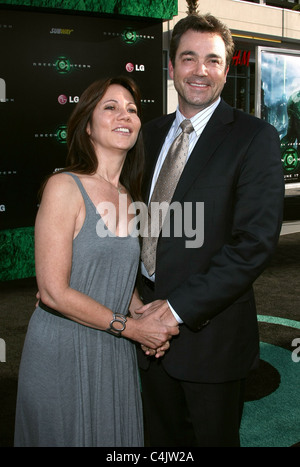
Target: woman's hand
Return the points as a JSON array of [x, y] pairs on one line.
[[158, 353], [150, 331]]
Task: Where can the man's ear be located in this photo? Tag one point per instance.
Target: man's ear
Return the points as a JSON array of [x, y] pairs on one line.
[[171, 70], [226, 73]]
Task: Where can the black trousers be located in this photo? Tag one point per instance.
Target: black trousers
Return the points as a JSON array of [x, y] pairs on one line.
[[181, 413]]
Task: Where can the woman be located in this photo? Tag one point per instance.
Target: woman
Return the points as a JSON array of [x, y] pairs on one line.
[[78, 380]]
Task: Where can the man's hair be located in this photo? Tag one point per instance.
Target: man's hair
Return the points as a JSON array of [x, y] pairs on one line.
[[202, 23]]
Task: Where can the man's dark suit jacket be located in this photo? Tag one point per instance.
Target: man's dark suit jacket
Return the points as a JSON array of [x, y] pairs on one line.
[[235, 170]]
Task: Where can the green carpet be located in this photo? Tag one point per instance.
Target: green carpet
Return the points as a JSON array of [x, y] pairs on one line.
[[272, 410], [274, 419]]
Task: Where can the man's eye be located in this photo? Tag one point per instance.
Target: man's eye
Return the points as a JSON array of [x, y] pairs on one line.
[[215, 61]]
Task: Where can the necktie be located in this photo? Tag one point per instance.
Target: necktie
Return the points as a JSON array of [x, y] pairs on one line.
[[163, 193]]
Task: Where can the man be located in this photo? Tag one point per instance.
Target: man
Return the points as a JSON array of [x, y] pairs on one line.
[[194, 395]]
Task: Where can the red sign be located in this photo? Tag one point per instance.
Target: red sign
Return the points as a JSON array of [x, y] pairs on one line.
[[241, 57]]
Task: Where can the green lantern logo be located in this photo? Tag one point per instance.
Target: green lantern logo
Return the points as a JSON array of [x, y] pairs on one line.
[[290, 159], [63, 65], [129, 36], [61, 134]]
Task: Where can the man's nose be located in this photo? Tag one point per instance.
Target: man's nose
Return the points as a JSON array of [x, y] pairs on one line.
[[201, 69]]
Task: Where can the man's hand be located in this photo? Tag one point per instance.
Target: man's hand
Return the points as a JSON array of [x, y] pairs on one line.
[[163, 310], [165, 315], [155, 327]]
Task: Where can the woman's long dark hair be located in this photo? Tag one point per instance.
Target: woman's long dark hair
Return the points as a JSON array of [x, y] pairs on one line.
[[81, 156]]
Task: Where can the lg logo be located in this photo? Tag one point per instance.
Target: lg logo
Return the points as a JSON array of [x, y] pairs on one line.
[[63, 99], [130, 67]]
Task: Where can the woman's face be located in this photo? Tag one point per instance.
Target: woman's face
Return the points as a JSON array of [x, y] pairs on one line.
[[115, 124]]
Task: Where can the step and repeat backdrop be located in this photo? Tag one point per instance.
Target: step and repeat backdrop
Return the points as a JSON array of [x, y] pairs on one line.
[[46, 61]]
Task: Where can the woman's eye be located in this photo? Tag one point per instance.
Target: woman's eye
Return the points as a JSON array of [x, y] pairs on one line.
[[132, 110], [109, 107]]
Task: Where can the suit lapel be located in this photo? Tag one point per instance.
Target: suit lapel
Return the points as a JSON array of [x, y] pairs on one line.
[[154, 147], [214, 133]]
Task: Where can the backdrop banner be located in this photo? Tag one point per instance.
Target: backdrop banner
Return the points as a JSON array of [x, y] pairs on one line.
[[46, 61]]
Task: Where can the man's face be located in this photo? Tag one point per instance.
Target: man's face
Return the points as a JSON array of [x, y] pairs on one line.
[[200, 71]]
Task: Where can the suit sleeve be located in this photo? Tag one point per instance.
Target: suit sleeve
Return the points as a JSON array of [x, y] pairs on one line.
[[257, 219]]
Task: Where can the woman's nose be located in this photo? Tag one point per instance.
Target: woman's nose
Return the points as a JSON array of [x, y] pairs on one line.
[[123, 114]]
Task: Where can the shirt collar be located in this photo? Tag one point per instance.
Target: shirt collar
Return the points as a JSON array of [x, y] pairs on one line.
[[199, 119]]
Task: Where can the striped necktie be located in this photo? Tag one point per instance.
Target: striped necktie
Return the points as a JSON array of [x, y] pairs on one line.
[[163, 193]]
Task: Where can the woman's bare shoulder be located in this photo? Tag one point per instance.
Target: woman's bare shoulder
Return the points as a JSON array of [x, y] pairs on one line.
[[60, 182]]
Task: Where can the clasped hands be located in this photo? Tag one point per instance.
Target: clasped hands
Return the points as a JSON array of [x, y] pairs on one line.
[[162, 313]]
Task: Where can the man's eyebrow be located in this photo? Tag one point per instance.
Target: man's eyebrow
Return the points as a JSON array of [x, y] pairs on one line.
[[214, 56], [194, 54], [188, 52]]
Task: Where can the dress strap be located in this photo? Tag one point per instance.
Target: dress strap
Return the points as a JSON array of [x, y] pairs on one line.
[[87, 199], [79, 183]]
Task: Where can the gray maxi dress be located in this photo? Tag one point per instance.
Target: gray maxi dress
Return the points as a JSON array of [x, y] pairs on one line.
[[79, 386]]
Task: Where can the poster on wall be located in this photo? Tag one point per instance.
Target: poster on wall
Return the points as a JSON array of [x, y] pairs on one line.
[[46, 61], [278, 102]]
